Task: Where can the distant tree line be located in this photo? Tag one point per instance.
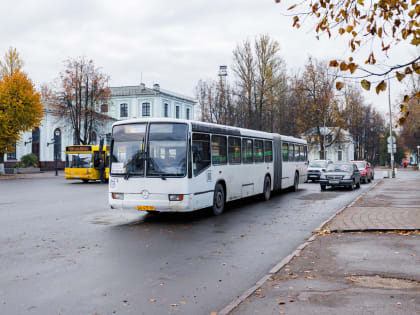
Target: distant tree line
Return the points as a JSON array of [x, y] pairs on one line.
[[263, 96]]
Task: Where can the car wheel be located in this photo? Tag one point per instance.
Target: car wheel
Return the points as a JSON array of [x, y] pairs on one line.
[[352, 186], [218, 200], [323, 187], [358, 184], [267, 188], [296, 182]]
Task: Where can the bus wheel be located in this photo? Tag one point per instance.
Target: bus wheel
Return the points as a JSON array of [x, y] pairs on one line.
[[218, 200], [267, 188], [296, 182], [85, 180]]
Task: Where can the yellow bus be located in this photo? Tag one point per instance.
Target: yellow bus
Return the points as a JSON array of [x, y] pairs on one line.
[[82, 162]]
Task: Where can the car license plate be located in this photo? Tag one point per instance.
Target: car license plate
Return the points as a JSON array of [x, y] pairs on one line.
[[312, 176], [334, 181], [145, 208]]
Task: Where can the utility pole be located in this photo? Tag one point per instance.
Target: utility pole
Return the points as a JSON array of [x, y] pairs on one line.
[[390, 128]]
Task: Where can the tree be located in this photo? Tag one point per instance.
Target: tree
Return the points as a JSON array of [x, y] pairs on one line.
[[365, 23], [20, 109], [319, 106], [261, 81], [11, 64], [84, 88]]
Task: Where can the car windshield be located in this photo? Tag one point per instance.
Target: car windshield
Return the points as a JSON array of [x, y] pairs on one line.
[[79, 160], [340, 168], [360, 164], [320, 164], [167, 149], [128, 149]]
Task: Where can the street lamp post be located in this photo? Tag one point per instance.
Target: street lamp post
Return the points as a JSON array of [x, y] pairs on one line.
[[390, 128]]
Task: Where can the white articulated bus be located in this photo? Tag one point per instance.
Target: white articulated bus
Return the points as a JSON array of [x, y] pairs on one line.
[[179, 165]]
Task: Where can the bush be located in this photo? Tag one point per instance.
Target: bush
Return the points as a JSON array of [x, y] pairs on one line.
[[29, 160]]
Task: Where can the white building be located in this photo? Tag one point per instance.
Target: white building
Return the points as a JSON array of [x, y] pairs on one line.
[[126, 102], [342, 150]]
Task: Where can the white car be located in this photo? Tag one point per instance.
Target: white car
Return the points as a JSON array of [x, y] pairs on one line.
[[316, 168]]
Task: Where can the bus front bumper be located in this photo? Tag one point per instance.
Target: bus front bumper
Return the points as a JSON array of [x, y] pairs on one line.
[[136, 203]]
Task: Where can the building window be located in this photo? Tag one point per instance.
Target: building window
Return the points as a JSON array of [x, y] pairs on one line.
[[104, 108], [12, 155], [340, 156], [124, 110], [177, 112], [188, 114], [145, 109], [166, 110], [94, 138]]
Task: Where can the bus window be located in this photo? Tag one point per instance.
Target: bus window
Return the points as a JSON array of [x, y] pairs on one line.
[[306, 152], [268, 151], [258, 151], [291, 152], [247, 151], [201, 152], [285, 152], [218, 150], [234, 150], [301, 153], [297, 148]]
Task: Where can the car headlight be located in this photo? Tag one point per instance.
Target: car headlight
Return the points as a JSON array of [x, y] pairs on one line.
[[322, 176], [119, 196], [347, 177], [176, 197]]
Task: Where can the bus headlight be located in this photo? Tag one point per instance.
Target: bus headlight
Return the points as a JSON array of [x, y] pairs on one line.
[[119, 196], [176, 197]]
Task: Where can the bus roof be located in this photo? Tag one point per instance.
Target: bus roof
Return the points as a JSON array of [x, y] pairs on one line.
[[214, 128]]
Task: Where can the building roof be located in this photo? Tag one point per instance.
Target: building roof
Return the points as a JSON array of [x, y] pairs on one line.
[[139, 90]]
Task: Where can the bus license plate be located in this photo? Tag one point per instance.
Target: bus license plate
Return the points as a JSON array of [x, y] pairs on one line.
[[334, 181], [145, 208]]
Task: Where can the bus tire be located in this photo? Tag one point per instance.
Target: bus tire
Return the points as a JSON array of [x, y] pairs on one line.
[[218, 200], [296, 182], [267, 188]]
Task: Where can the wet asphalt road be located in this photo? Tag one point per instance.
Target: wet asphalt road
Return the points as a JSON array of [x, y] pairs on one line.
[[62, 251]]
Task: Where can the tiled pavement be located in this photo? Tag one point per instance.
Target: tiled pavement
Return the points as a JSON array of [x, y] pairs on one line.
[[392, 204]]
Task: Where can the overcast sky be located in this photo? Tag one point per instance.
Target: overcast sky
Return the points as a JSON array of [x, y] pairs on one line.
[[173, 43]]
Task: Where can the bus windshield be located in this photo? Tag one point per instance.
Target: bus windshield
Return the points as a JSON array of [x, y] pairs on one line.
[[167, 149], [79, 160], [128, 149]]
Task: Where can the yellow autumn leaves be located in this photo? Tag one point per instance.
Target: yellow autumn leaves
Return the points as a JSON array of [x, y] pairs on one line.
[[20, 107]]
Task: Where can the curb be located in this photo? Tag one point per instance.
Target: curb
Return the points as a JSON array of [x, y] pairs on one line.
[[235, 303]]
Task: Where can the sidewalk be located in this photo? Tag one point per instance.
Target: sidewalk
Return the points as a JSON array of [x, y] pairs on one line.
[[364, 261], [47, 174]]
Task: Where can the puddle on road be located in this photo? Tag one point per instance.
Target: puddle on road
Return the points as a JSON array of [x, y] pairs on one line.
[[385, 283], [319, 196], [117, 219]]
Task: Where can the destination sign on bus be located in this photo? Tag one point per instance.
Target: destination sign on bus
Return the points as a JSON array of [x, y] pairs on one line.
[[79, 148]]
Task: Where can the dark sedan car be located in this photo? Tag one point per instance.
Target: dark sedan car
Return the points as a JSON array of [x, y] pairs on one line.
[[341, 174]]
